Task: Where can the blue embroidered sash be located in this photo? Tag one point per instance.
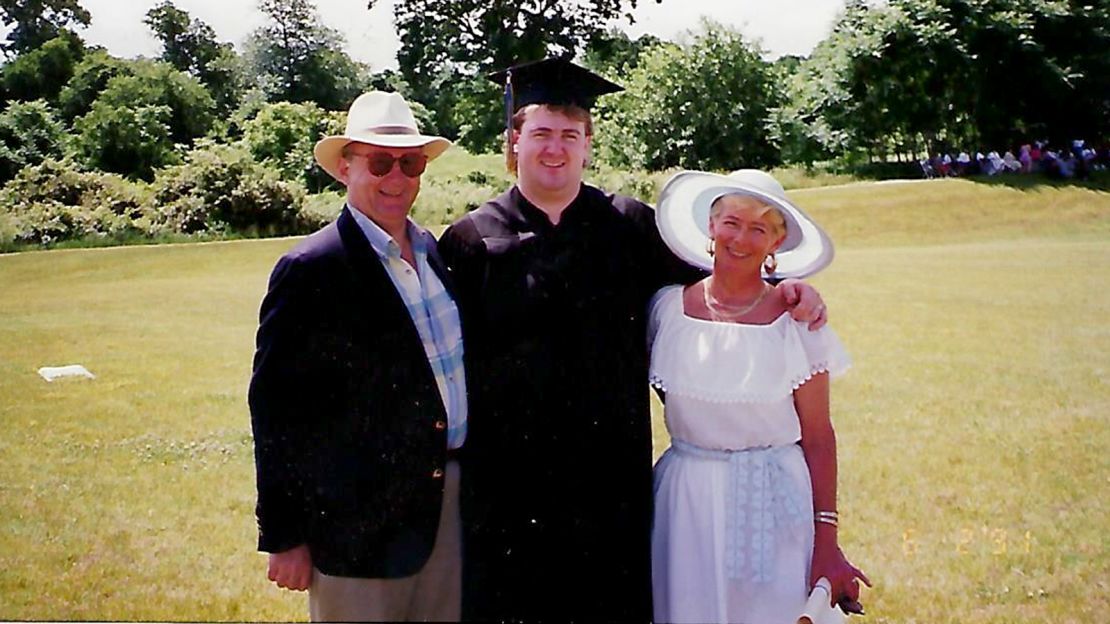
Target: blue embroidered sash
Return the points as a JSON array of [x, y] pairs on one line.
[[761, 495]]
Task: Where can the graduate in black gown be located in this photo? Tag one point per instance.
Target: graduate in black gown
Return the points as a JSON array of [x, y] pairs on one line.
[[553, 280]]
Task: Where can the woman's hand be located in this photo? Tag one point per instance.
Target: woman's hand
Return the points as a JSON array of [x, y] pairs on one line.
[[844, 577]]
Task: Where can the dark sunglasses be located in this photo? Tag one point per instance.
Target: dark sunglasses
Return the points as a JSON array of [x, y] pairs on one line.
[[381, 163]]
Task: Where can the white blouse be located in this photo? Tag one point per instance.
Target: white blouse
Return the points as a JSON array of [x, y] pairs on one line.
[[729, 385]]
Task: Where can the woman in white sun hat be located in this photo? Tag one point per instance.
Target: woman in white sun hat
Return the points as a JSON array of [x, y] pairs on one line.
[[745, 498]]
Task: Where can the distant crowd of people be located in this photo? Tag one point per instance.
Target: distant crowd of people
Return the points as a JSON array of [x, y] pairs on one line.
[[1075, 161]]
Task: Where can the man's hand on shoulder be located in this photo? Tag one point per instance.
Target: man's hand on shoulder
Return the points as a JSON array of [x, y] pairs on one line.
[[804, 303], [291, 569]]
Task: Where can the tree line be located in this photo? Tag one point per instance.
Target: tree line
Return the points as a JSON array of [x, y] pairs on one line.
[[892, 80]]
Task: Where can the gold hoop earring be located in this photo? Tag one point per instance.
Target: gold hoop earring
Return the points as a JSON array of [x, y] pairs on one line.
[[711, 247], [770, 264]]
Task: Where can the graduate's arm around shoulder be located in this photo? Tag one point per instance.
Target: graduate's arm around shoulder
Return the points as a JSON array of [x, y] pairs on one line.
[[804, 303]]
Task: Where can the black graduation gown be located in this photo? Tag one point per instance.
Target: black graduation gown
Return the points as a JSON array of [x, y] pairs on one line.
[[557, 497]]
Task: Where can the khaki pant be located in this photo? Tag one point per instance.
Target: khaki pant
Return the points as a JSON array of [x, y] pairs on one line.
[[432, 594]]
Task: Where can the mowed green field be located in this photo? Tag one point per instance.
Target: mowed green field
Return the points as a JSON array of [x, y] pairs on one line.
[[973, 426]]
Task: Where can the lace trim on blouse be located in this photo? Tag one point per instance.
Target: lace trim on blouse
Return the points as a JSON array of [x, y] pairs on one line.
[[730, 362]]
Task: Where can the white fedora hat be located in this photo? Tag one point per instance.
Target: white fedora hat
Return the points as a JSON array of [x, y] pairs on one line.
[[382, 119], [683, 218]]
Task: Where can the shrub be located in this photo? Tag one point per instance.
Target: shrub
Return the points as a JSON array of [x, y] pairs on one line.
[[125, 140], [282, 136], [29, 133], [640, 184], [56, 201], [191, 108], [222, 189], [325, 206], [442, 202]]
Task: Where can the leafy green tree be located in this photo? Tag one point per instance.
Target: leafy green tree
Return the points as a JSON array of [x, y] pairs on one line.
[[479, 115], [388, 80], [613, 51], [34, 22], [42, 72], [90, 77], [131, 141], [282, 136], [920, 75], [191, 46], [443, 43], [823, 112], [490, 34], [29, 134], [134, 115], [152, 83], [296, 58], [670, 116]]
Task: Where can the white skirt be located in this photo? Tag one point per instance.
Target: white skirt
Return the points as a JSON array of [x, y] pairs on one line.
[[690, 543]]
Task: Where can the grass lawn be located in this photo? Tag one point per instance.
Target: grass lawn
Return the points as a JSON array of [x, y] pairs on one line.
[[973, 427]]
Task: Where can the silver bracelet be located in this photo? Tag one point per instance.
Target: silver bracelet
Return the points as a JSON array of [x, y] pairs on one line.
[[828, 517]]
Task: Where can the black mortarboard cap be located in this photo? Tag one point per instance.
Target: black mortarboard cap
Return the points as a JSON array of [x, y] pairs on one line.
[[551, 81]]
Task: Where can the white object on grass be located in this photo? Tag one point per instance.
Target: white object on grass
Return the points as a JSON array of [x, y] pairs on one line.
[[50, 373]]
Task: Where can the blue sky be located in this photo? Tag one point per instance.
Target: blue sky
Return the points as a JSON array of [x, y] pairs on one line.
[[782, 26]]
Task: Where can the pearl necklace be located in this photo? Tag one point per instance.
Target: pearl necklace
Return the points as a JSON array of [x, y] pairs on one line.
[[725, 312]]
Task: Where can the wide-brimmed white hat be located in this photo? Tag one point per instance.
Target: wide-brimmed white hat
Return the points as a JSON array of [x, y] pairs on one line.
[[382, 119], [683, 218]]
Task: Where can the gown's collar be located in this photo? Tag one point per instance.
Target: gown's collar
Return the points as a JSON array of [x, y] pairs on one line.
[[537, 219]]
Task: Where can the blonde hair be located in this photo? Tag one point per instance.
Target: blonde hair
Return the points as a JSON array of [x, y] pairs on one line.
[[572, 112], [761, 208]]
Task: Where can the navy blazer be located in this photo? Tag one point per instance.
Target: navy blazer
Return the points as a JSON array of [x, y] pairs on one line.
[[349, 427]]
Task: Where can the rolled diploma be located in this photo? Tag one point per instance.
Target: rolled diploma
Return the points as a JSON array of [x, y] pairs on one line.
[[817, 609]]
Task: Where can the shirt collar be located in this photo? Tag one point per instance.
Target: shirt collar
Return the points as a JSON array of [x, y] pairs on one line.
[[381, 242]]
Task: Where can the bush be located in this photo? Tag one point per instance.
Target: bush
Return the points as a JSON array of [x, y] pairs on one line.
[[640, 184], [56, 201], [880, 170], [125, 140], [222, 189], [29, 134], [282, 136], [191, 108], [443, 202], [129, 115]]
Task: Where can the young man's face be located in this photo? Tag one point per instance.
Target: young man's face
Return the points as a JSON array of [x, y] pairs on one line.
[[552, 150], [386, 197]]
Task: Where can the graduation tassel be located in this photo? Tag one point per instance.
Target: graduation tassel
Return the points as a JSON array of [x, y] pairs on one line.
[[509, 157]]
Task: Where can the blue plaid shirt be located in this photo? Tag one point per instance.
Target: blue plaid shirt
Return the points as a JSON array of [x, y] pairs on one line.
[[433, 312]]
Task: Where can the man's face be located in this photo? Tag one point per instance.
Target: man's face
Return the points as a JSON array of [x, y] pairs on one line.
[[551, 151], [384, 196]]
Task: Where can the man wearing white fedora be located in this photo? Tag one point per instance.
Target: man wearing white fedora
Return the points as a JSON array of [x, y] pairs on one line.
[[358, 395]]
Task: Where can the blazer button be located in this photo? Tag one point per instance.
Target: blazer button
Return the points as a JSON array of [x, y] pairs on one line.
[[437, 474], [440, 425]]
